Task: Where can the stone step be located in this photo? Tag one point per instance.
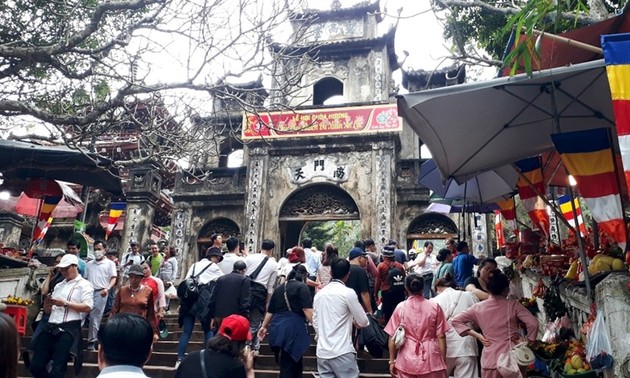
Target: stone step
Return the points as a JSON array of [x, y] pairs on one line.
[[91, 370]]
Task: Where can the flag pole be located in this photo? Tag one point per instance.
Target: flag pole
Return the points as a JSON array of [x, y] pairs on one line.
[[587, 278]]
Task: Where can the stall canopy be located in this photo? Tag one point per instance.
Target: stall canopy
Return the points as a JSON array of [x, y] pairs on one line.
[[475, 127], [20, 160]]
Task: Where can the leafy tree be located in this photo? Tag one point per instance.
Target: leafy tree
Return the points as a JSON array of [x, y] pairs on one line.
[[87, 70], [487, 24], [341, 233]]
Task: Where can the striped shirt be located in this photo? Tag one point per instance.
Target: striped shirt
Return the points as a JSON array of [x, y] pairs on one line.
[[78, 290]]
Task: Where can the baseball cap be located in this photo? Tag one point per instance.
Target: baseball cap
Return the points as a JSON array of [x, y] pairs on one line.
[[356, 252], [235, 328], [136, 270], [67, 260], [391, 242]]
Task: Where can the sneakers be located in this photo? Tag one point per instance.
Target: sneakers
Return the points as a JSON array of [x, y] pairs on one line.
[[177, 363], [255, 353], [91, 345]]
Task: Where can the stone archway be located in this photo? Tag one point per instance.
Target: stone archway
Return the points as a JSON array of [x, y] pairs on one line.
[[318, 202], [222, 226], [430, 226]]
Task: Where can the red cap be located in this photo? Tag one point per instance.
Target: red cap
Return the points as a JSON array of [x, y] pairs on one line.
[[235, 328]]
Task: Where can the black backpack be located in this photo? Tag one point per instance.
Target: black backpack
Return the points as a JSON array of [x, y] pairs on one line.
[[258, 292], [396, 279], [188, 289]]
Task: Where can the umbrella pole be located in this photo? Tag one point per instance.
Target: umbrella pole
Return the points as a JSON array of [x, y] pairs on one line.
[[587, 278], [40, 203]]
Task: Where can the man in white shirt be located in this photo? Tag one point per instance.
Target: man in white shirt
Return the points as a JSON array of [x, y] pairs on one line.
[[71, 298], [267, 278], [206, 269], [133, 257], [335, 309], [101, 273], [231, 256], [124, 346], [425, 265]]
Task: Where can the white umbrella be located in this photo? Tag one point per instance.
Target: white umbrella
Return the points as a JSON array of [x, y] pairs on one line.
[[471, 128]]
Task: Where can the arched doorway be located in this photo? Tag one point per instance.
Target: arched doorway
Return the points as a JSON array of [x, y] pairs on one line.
[[222, 226], [433, 227], [319, 202]]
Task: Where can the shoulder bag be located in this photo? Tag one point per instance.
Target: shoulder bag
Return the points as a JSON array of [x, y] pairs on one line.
[[399, 335], [510, 362]]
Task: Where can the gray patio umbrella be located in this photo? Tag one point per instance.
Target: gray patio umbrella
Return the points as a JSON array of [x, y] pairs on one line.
[[487, 187], [474, 127]]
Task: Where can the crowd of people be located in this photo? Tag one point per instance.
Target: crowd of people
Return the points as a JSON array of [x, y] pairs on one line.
[[450, 316]]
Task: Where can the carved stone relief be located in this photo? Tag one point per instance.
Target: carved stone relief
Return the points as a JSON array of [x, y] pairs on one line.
[[329, 31], [432, 224], [252, 208], [383, 177], [378, 75], [319, 200], [222, 226], [328, 167]]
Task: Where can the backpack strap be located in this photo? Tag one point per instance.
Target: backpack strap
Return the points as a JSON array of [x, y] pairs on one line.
[[202, 362], [202, 270], [260, 266]]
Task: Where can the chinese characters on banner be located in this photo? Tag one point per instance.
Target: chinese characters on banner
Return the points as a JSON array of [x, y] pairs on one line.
[[331, 121], [319, 167]]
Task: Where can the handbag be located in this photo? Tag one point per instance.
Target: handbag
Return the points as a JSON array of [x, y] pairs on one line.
[[510, 362], [399, 335]]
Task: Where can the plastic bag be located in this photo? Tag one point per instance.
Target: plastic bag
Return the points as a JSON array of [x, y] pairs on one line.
[[598, 349]]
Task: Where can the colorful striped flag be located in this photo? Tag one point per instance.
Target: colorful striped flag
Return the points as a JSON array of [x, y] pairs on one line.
[[587, 156], [616, 49], [498, 228], [508, 211], [115, 211], [564, 203], [45, 217], [535, 206]]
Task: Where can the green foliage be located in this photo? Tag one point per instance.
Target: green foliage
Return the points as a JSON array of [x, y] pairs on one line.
[[341, 233]]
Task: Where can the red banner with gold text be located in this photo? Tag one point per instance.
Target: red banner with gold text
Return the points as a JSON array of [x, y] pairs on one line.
[[330, 121]]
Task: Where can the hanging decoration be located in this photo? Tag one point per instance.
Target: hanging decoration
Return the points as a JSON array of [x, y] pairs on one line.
[[44, 218], [498, 228], [536, 208], [616, 50], [508, 211], [115, 211], [564, 203], [587, 155]]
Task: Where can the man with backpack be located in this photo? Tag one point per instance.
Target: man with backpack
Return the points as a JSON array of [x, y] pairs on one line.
[[199, 275], [262, 269], [390, 281]]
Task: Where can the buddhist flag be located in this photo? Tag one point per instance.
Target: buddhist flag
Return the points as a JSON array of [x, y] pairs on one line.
[[535, 206], [587, 156], [498, 228], [45, 217], [115, 211], [508, 211], [564, 203], [616, 49]]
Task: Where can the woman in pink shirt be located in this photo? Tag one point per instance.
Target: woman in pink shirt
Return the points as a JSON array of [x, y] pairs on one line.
[[424, 351], [498, 319]]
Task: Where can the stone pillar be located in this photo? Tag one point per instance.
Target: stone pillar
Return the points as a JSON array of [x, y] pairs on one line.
[[10, 229], [256, 172], [382, 225], [180, 237], [142, 194]]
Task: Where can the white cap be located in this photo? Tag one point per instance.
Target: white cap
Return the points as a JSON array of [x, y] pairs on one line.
[[67, 260]]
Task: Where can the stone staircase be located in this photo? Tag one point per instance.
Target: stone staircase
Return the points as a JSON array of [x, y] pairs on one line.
[[162, 361]]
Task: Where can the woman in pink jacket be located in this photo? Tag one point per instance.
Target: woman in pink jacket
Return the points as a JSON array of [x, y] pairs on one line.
[[498, 318], [423, 353]]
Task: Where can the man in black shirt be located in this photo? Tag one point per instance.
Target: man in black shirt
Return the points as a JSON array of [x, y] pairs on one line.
[[358, 279], [231, 294]]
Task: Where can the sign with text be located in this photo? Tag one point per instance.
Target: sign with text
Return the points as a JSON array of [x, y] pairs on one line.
[[319, 167], [331, 121]]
